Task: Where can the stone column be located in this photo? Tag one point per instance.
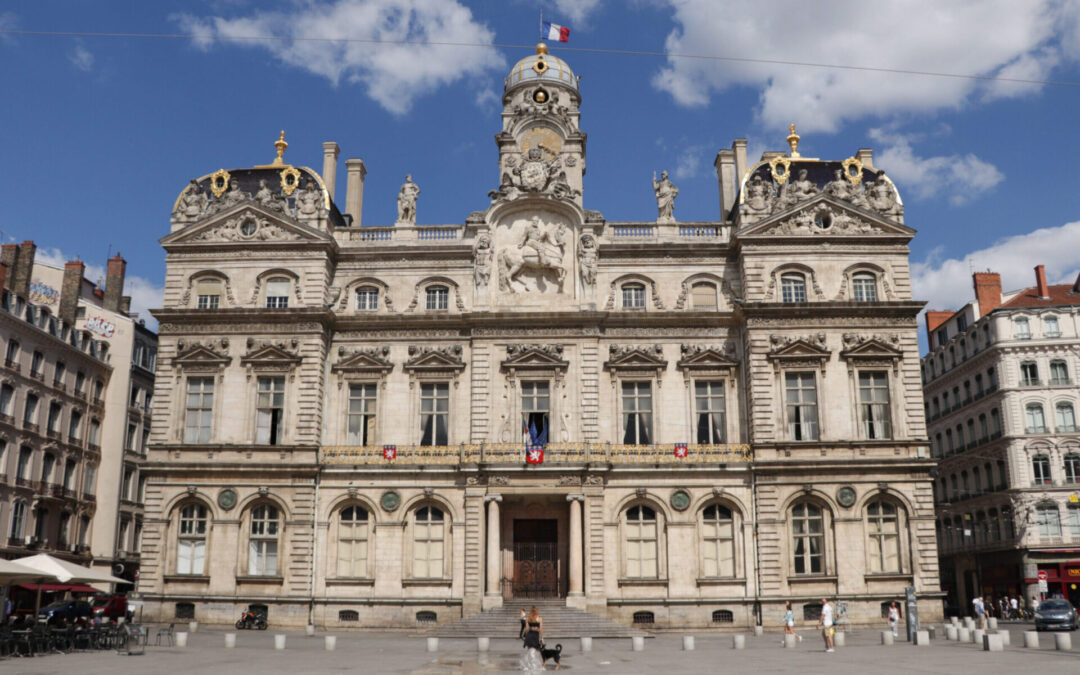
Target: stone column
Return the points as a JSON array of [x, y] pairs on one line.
[[577, 548], [493, 596]]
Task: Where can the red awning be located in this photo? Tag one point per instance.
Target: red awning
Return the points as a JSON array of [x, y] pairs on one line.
[[54, 588]]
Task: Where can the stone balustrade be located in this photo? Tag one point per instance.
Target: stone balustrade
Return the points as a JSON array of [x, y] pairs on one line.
[[554, 453]]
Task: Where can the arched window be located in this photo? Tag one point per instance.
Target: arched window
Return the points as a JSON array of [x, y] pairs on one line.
[[995, 423], [1072, 513], [993, 526], [1066, 418], [641, 542], [352, 542], [208, 293], [428, 543], [437, 298], [1007, 526], [1036, 421], [1059, 373], [191, 540], [367, 298], [976, 478], [793, 287], [18, 519], [808, 538], [864, 287], [633, 296], [263, 541], [718, 529], [980, 528], [1049, 520], [1072, 468], [277, 292], [1022, 329], [883, 523], [1050, 326], [1040, 469], [703, 295]]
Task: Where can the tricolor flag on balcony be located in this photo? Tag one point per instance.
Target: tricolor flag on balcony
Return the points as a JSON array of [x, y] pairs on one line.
[[681, 450], [534, 454], [553, 31], [389, 452]]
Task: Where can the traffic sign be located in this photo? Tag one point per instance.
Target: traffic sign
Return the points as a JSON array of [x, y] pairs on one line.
[[1044, 588], [1042, 575]]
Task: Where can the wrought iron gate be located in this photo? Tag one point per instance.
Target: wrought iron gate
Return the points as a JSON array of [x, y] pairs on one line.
[[536, 570]]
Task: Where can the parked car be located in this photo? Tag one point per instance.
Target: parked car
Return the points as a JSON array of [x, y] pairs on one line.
[[110, 606], [69, 610], [1056, 613]]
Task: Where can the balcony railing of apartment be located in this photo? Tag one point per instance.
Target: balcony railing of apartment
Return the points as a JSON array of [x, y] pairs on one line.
[[971, 446], [1037, 430], [79, 393], [1067, 429], [53, 433], [12, 365], [1061, 381], [30, 426], [966, 402], [1033, 382], [59, 384], [23, 482], [39, 376], [554, 453], [7, 418]]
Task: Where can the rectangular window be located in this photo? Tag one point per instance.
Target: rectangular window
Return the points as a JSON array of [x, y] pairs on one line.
[[1059, 373], [874, 404], [12, 355], [1073, 514], [793, 288], [1029, 374], [270, 410], [864, 287], [362, 414], [1072, 468], [7, 399], [26, 456], [199, 409], [30, 411], [633, 296], [437, 298], [434, 413], [80, 382], [1049, 521], [535, 411], [37, 364], [208, 292], [1040, 469], [53, 423], [367, 299], [1050, 325], [94, 435], [637, 413], [132, 435], [802, 417], [1023, 329], [90, 479], [277, 293], [709, 407], [942, 337]]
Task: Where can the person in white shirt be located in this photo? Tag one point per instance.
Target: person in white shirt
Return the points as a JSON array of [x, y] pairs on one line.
[[826, 623], [980, 611], [894, 617], [1014, 603]]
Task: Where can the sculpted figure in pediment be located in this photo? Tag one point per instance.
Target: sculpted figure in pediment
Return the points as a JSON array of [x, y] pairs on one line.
[[308, 201], [842, 188], [540, 249], [795, 191], [269, 199], [758, 195], [192, 204], [882, 196]]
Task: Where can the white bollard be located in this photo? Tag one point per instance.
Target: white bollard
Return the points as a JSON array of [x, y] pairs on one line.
[[758, 631], [181, 639], [977, 635], [192, 626], [688, 643], [586, 644], [886, 637], [790, 641], [922, 638], [331, 643], [932, 632], [950, 633], [992, 643], [1031, 639], [230, 640], [433, 644], [838, 639], [637, 643], [279, 641], [992, 623], [309, 630], [963, 634], [969, 623], [483, 644], [738, 641], [1006, 638], [954, 620], [1062, 642]]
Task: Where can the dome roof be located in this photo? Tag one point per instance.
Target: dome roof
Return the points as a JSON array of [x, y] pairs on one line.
[[539, 68]]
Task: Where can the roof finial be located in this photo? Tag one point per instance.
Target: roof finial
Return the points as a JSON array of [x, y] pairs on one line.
[[541, 48], [793, 141], [280, 144]]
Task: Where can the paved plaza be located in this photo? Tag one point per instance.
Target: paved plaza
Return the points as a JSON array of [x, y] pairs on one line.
[[406, 654]]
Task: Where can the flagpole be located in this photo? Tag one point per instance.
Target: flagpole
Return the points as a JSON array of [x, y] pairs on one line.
[[541, 24]]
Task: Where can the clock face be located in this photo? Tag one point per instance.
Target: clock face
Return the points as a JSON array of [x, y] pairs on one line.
[[549, 142]]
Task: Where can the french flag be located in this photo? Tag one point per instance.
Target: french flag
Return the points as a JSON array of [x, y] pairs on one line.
[[554, 31]]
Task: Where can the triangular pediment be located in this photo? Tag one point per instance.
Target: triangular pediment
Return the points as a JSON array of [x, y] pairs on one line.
[[270, 355], [633, 357], [425, 359], [367, 361], [875, 347], [535, 358], [201, 356], [705, 359], [799, 349], [249, 224], [824, 216]]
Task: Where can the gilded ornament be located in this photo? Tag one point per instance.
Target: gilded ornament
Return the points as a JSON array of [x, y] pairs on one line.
[[290, 180], [780, 175], [853, 169], [219, 182], [793, 142]]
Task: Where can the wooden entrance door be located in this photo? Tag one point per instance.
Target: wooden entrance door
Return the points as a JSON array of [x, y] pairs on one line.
[[536, 558]]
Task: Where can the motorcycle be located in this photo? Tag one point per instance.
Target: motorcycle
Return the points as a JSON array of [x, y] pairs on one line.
[[251, 620]]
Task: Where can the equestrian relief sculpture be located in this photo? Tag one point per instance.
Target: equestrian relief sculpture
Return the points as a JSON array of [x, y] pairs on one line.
[[540, 248]]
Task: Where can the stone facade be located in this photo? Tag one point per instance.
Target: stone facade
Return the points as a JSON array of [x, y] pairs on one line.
[[1001, 400], [659, 421]]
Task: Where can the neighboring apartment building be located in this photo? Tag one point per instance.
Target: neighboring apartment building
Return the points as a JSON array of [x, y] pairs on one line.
[[113, 422], [1001, 394], [668, 423]]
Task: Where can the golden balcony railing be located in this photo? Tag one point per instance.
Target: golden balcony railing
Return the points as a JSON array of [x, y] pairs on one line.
[[554, 453]]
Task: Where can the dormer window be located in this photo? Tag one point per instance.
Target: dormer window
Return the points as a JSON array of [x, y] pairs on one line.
[[633, 296], [438, 298], [367, 299], [208, 292], [277, 293], [864, 287], [793, 287]]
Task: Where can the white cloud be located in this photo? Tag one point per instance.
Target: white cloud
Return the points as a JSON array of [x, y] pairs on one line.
[[946, 283], [82, 58], [976, 37], [964, 177], [145, 294], [690, 161], [576, 11], [394, 75]]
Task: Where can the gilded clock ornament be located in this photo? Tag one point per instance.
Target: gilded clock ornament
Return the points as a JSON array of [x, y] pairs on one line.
[[845, 496], [547, 140], [390, 500], [226, 499]]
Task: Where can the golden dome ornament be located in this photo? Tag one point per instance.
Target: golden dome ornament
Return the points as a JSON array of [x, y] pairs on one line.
[[793, 142]]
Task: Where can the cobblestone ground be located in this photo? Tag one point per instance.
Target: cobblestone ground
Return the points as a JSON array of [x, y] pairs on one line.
[[406, 654]]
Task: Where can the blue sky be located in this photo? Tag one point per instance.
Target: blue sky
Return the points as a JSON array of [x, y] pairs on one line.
[[100, 134]]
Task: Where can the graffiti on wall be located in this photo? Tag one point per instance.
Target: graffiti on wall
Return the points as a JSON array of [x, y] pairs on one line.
[[43, 294], [99, 326]]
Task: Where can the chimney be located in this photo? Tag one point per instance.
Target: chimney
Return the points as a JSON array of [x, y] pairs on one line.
[[114, 283], [3, 274], [125, 305], [9, 255], [24, 267], [987, 291], [725, 176], [934, 319], [1040, 282], [866, 156], [739, 146], [354, 195], [330, 152], [70, 290]]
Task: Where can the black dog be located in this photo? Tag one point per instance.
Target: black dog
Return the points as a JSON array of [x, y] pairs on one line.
[[554, 654]]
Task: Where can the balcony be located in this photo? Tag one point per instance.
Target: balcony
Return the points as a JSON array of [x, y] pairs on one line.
[[1031, 382], [1067, 429], [12, 365], [53, 433], [39, 376], [30, 426], [7, 419], [554, 453], [80, 394], [1061, 381], [59, 385], [23, 482], [1037, 430]]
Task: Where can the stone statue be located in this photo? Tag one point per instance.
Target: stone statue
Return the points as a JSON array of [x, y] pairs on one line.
[[308, 200], [267, 198], [588, 258], [882, 196], [795, 191], [406, 201], [758, 195], [666, 192], [540, 249], [482, 260], [841, 188], [233, 197], [192, 203]]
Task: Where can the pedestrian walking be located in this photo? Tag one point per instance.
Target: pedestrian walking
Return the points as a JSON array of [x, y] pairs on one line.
[[979, 608], [521, 633], [1014, 604], [789, 622], [825, 621], [534, 641], [894, 617]]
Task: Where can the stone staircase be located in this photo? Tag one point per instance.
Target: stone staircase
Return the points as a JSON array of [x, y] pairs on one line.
[[560, 623]]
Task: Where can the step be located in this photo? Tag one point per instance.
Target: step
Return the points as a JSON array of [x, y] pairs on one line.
[[560, 622]]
